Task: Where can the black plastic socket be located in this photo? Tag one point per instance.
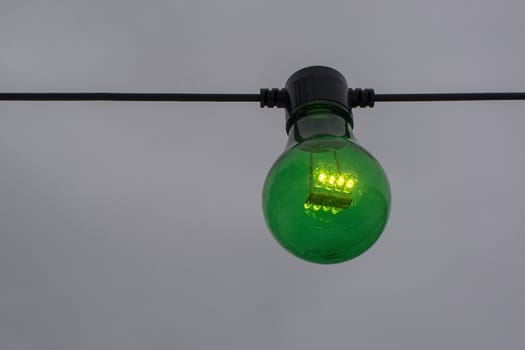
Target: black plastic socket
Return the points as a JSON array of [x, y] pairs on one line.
[[317, 84]]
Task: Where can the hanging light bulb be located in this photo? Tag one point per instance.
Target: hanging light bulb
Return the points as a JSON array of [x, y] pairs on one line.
[[326, 199]]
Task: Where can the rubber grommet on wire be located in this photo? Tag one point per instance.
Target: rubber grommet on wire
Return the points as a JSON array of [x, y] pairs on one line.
[[361, 98], [274, 98]]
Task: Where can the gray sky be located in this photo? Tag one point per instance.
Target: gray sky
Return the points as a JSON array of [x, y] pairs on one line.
[[139, 225]]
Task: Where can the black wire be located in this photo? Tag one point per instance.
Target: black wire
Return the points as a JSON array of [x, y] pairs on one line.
[[259, 97], [475, 96], [119, 96]]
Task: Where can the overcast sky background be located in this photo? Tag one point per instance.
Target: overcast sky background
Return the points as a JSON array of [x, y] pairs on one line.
[[139, 225]]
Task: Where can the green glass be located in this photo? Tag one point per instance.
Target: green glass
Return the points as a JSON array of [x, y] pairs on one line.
[[326, 199]]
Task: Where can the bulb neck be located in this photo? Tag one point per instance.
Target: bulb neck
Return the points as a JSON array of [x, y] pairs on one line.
[[319, 120]]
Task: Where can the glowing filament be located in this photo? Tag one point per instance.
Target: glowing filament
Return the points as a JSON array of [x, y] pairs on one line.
[[329, 192], [334, 181], [348, 186]]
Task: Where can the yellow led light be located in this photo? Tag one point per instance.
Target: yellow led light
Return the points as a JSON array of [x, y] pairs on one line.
[[329, 192], [321, 179], [339, 184], [349, 184]]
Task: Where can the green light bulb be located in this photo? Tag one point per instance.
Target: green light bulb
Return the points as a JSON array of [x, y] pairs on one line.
[[326, 199]]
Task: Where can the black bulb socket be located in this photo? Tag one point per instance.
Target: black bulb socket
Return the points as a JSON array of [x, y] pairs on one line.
[[317, 84]]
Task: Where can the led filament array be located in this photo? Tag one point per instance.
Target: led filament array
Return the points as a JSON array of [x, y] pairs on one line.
[[329, 191], [333, 182]]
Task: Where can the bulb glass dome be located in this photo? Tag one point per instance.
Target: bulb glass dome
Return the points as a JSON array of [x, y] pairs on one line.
[[326, 199]]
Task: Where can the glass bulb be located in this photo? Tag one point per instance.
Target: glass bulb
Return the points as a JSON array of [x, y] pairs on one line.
[[326, 199]]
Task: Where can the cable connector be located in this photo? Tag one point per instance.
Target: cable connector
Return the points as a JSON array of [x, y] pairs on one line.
[[361, 98], [275, 98]]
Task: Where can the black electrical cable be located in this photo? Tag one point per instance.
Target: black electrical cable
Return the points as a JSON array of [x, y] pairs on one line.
[[266, 97], [474, 96], [122, 96]]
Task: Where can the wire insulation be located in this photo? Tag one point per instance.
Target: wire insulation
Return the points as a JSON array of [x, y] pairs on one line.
[[121, 96], [426, 97], [267, 97]]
